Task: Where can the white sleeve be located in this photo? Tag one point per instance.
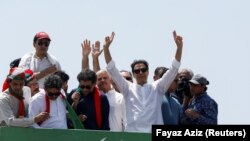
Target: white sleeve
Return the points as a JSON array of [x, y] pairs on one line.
[[34, 110], [25, 61], [124, 116], [166, 80], [122, 84], [7, 115]]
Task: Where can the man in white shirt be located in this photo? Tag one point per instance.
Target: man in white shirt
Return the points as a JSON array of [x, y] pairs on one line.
[[143, 100], [40, 62], [51, 101], [14, 102], [117, 113]]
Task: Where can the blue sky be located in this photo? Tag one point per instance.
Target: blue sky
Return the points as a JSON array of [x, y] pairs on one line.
[[215, 35]]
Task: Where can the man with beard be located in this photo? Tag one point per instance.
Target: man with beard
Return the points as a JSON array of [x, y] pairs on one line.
[[14, 102], [93, 108]]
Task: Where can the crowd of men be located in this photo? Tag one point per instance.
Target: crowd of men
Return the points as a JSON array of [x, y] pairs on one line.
[[34, 93]]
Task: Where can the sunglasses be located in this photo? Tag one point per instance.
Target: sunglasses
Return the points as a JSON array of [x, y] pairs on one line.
[[143, 70], [40, 43], [128, 78], [85, 87], [53, 94]]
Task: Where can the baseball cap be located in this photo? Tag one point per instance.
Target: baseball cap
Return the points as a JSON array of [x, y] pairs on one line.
[[199, 79], [16, 74], [42, 35]]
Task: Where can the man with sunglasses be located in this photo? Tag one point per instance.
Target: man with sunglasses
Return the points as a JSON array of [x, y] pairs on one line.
[[143, 100], [92, 107], [50, 101], [117, 114], [40, 61]]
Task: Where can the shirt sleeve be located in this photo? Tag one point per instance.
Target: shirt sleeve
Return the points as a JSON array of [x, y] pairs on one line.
[[166, 80], [34, 111], [124, 116], [8, 117], [25, 61], [122, 84]]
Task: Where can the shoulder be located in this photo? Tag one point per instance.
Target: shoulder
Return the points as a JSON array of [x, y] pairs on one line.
[[40, 96], [27, 55], [5, 100], [118, 95], [207, 101], [26, 92], [4, 97], [175, 101], [103, 97], [206, 97]]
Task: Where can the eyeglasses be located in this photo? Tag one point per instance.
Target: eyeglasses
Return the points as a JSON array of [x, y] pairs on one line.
[[40, 43], [143, 70], [86, 86], [53, 94]]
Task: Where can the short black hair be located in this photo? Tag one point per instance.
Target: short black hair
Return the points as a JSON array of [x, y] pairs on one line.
[[127, 72], [53, 81], [138, 62], [86, 75], [157, 73], [63, 75], [15, 63]]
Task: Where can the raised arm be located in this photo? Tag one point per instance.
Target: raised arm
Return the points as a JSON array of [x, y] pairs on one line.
[[86, 49], [179, 44], [108, 41], [96, 52], [167, 78]]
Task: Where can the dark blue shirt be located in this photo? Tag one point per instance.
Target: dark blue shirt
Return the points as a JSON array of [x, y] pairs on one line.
[[86, 107], [206, 107]]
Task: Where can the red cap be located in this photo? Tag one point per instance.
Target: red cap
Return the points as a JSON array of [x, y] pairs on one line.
[[42, 35], [16, 73]]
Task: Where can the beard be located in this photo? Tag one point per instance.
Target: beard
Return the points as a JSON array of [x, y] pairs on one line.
[[15, 93]]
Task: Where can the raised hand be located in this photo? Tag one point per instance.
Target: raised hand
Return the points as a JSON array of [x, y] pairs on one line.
[[179, 44], [86, 49], [178, 40], [108, 40], [96, 52]]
